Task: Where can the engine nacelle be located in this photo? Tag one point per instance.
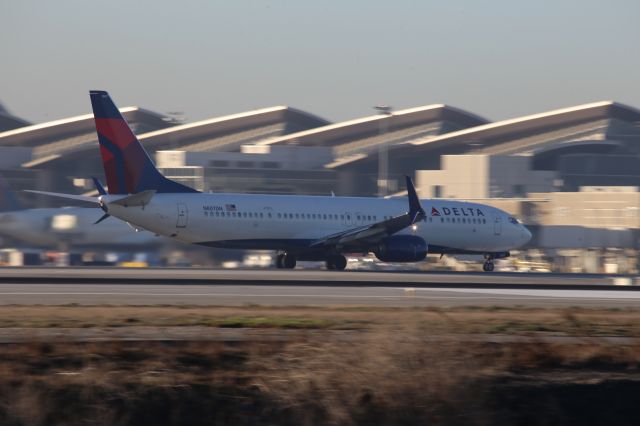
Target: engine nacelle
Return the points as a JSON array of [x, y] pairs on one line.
[[402, 248]]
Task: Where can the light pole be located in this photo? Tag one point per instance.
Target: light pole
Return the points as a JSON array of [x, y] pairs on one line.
[[383, 150]]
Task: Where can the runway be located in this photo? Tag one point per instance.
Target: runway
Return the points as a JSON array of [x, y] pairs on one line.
[[224, 295], [110, 275], [100, 286]]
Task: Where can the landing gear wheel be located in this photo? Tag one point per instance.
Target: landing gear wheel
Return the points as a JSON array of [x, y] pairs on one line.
[[279, 259], [288, 261], [488, 266], [336, 262]]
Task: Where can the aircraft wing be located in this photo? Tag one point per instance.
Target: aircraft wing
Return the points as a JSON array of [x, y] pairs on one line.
[[375, 232]]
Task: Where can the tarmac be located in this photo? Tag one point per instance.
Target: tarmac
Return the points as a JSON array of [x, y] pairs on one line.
[[176, 286]]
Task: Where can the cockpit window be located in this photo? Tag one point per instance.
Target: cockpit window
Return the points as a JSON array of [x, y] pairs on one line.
[[513, 220]]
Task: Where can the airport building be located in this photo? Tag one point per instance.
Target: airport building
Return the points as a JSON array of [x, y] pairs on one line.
[[9, 121], [254, 169], [481, 176]]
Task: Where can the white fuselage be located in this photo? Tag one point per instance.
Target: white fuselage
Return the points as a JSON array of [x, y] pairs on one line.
[[271, 221], [48, 227]]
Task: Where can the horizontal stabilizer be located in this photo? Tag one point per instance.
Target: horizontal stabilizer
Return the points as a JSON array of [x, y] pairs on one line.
[[84, 198], [139, 199]]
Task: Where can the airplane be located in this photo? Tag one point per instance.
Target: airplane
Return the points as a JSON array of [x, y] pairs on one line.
[[49, 227], [298, 228]]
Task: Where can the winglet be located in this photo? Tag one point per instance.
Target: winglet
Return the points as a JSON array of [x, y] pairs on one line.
[[98, 186], [416, 212]]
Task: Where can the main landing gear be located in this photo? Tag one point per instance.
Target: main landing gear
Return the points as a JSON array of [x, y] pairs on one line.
[[285, 261], [336, 262], [488, 265]]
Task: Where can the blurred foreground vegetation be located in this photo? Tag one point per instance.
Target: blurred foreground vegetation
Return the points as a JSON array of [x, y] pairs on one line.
[[337, 366]]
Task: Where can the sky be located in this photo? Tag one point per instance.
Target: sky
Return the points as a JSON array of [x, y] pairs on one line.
[[496, 58]]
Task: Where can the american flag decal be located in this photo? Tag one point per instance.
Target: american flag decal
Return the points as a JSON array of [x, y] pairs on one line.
[[230, 207]]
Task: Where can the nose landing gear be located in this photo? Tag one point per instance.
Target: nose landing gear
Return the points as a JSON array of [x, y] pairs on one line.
[[489, 257], [488, 265]]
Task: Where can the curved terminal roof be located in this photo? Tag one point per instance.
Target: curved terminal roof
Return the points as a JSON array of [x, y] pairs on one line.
[[229, 132], [522, 135], [359, 136], [220, 133], [59, 137], [9, 121]]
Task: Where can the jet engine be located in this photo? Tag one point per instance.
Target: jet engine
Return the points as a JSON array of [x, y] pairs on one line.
[[402, 248]]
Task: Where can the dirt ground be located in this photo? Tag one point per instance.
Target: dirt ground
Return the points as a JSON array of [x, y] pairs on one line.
[[339, 366]]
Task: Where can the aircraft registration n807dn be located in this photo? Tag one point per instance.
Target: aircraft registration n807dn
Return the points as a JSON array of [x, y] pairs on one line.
[[296, 227]]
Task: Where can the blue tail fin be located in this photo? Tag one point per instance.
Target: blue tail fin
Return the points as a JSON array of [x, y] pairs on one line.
[[127, 165]]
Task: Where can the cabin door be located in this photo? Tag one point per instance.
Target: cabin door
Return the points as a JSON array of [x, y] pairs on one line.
[[183, 216], [347, 219], [497, 226]]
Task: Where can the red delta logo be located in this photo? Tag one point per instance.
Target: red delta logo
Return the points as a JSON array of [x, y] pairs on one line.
[[457, 211]]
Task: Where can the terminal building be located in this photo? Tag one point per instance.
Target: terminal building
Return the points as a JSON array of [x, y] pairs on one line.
[[9, 121]]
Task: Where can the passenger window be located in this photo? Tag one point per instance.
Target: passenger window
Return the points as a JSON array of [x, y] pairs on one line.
[[441, 219], [324, 216]]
